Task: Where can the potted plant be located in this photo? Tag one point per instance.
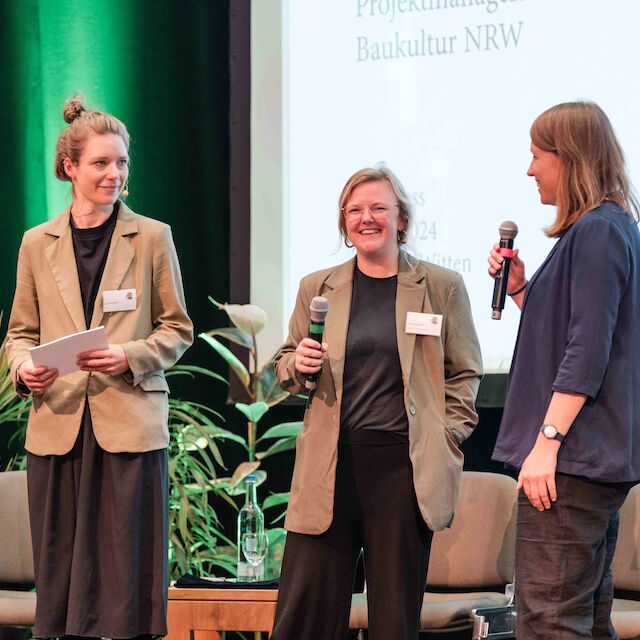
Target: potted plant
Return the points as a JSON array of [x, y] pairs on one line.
[[198, 542]]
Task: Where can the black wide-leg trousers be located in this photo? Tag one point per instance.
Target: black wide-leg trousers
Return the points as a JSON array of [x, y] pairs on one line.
[[375, 508]]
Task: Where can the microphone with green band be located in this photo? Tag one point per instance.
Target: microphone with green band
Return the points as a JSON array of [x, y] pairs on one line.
[[318, 310]]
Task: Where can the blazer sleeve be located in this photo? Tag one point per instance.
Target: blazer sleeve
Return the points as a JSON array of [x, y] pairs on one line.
[[288, 377], [462, 363], [24, 321], [172, 329], [598, 273]]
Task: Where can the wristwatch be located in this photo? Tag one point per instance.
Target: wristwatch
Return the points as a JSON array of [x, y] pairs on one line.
[[550, 431]]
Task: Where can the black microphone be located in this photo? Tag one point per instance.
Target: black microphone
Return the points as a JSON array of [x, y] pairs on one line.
[[318, 309], [508, 231]]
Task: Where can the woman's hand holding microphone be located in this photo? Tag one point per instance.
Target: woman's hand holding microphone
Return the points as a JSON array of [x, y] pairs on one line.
[[309, 355], [517, 279]]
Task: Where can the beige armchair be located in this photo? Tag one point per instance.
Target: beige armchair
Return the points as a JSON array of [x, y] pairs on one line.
[[17, 608], [473, 557]]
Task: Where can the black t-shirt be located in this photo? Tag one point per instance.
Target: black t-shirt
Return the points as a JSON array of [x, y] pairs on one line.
[[373, 393], [91, 247]]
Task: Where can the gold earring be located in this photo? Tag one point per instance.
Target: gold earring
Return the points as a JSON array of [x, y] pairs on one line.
[[125, 190]]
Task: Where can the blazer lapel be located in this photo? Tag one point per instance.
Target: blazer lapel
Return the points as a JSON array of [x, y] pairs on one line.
[[540, 270], [338, 288], [410, 296], [120, 256], [62, 261]]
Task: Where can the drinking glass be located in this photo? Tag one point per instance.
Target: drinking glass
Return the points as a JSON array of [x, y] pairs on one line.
[[254, 547]]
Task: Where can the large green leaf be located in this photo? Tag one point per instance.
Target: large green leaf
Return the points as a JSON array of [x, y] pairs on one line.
[[285, 429], [242, 471], [280, 517], [189, 370], [253, 412], [225, 434], [281, 445], [275, 500], [194, 441], [249, 318], [234, 335], [214, 302], [194, 411], [267, 388], [235, 485], [238, 368], [201, 429]]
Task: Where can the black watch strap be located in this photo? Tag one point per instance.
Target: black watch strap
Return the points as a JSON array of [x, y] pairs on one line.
[[551, 432]]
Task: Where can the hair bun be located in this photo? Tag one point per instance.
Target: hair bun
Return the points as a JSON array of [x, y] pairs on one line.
[[73, 107]]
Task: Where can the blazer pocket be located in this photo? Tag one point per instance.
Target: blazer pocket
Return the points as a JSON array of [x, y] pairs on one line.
[[156, 382], [453, 445]]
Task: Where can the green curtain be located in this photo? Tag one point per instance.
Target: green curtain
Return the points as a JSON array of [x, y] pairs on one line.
[[162, 67]]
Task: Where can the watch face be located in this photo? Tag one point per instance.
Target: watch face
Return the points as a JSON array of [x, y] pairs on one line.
[[550, 431]]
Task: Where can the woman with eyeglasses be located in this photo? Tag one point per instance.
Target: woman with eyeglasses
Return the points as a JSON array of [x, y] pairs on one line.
[[570, 423], [377, 463]]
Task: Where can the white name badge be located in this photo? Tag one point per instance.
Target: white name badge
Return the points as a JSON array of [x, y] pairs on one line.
[[119, 300], [424, 324]]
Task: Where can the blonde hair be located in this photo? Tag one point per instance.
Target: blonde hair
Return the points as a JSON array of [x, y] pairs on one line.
[[375, 174], [592, 168], [83, 124]]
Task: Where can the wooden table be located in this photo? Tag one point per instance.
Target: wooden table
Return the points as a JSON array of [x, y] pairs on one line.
[[198, 614]]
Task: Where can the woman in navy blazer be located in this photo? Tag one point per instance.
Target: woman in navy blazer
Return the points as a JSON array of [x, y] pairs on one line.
[[572, 414]]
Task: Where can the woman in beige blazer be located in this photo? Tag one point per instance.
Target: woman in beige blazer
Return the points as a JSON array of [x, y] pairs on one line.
[[377, 463], [97, 438]]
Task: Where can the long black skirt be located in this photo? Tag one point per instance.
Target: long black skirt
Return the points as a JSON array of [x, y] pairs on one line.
[[99, 524]]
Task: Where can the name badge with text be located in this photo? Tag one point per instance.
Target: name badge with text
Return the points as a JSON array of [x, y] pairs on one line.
[[424, 324], [119, 300]]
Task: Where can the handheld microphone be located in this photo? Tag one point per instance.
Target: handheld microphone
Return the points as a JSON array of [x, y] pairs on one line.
[[318, 309], [508, 231]]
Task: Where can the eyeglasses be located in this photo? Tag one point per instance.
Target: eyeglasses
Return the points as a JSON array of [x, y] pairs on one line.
[[354, 212]]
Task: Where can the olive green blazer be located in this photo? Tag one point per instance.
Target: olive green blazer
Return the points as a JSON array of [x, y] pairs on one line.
[[130, 411], [441, 376]]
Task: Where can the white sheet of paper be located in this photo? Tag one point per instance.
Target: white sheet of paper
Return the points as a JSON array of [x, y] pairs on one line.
[[424, 324], [62, 353]]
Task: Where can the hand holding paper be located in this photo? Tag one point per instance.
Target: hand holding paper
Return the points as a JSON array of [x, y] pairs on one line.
[[62, 354], [112, 360], [37, 379]]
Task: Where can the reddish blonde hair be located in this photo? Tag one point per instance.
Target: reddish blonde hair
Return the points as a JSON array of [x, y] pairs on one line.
[[83, 124]]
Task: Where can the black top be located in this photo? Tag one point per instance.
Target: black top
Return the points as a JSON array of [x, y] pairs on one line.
[[373, 393], [91, 247]]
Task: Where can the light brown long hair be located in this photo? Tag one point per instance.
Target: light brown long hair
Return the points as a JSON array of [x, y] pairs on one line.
[[375, 174], [592, 169]]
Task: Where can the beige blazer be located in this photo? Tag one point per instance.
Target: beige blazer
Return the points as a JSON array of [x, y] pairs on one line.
[[129, 412], [441, 376]]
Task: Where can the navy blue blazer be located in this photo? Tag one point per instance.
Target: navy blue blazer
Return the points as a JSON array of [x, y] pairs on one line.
[[580, 333]]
